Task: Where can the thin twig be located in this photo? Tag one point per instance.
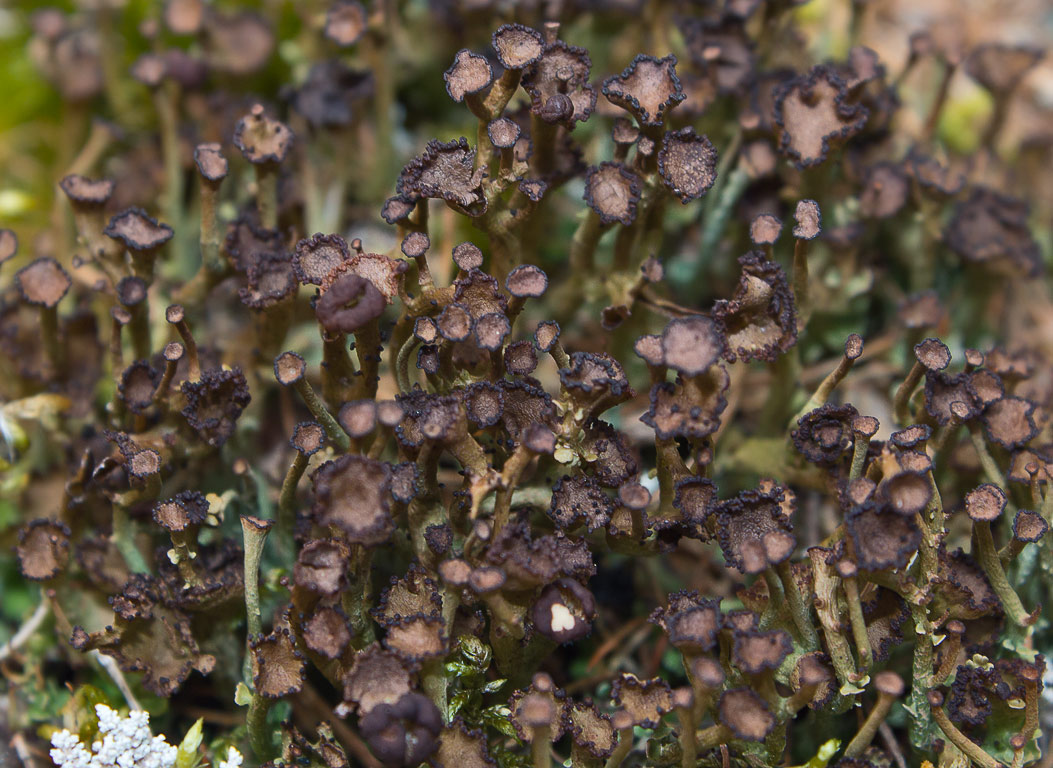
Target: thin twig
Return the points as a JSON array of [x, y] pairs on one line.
[[614, 641], [314, 709], [23, 750], [892, 745], [587, 683], [26, 631], [117, 676]]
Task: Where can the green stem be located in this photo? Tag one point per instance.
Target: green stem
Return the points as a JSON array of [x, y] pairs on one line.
[[541, 747], [624, 244], [177, 317], [583, 244], [829, 619], [972, 750], [166, 100], [54, 349], [501, 93], [785, 372], [470, 454], [254, 532], [402, 364], [936, 108], [338, 372], [928, 559], [714, 736], [870, 726], [502, 509], [559, 354], [160, 397], [987, 555], [256, 724], [670, 468], [774, 610], [921, 269], [287, 498], [210, 237], [801, 290], [825, 388], [381, 58], [859, 625], [653, 231], [538, 498], [485, 153], [368, 349], [309, 181], [860, 446], [998, 118], [321, 413], [267, 194], [688, 739], [923, 680], [433, 684], [544, 138], [504, 250], [355, 600], [990, 467], [140, 330], [110, 58], [799, 609], [272, 325], [901, 400]]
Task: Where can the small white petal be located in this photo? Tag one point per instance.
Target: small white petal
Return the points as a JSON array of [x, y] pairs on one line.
[[562, 618]]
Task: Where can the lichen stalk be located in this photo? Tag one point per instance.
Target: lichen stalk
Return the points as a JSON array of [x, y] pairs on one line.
[[987, 555], [317, 408]]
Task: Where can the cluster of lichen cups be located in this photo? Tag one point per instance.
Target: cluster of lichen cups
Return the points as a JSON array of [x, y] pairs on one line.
[[442, 414]]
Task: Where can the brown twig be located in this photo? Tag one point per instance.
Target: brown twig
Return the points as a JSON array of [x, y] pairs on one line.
[[309, 709], [614, 641], [892, 745]]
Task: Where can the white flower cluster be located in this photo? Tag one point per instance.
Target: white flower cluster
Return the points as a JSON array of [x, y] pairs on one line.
[[233, 759], [125, 743]]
